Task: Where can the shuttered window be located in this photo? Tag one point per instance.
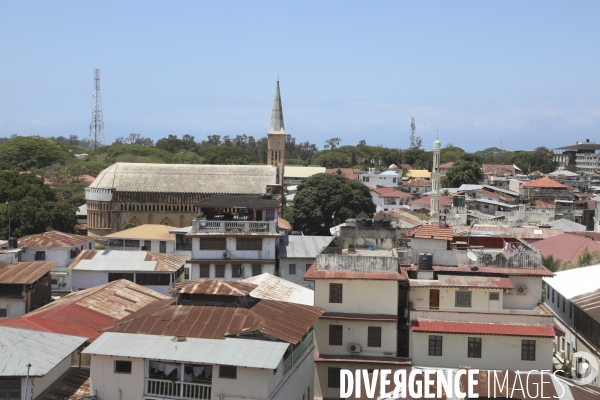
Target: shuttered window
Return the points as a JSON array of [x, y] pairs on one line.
[[155, 279], [374, 336], [204, 271], [220, 271], [236, 271], [3, 313], [256, 270], [115, 276], [249, 244], [292, 269], [40, 256], [335, 292], [333, 377], [213, 244], [435, 345], [335, 335]]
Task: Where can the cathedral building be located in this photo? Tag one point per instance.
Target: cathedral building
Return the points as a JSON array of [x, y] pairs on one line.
[[168, 193]]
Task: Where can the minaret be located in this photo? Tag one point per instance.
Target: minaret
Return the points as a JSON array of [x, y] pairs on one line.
[[276, 138], [435, 180]]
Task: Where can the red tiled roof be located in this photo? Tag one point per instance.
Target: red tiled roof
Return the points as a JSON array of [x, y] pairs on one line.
[[447, 165], [46, 180], [312, 273], [350, 173], [543, 205], [407, 167], [283, 224], [464, 281], [482, 329], [417, 182], [391, 192], [544, 182], [496, 270], [498, 169], [445, 201], [432, 231], [566, 247], [360, 317]]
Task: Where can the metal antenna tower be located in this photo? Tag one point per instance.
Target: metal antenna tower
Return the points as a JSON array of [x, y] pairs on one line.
[[97, 125], [413, 127]]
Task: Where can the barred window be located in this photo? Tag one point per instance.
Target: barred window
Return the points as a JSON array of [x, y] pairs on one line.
[[333, 377], [219, 271], [474, 350], [122, 367], [228, 371], [236, 271], [374, 336], [3, 312], [435, 345], [40, 256], [115, 276], [335, 292], [292, 269], [132, 243], [156, 279], [462, 298], [335, 335], [494, 296], [528, 350], [213, 244], [249, 244], [256, 270], [204, 271]]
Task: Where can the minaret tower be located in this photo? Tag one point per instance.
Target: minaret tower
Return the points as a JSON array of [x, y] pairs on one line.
[[435, 180], [276, 137]]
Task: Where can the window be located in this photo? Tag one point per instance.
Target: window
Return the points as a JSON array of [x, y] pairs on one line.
[[308, 266], [228, 371], [333, 377], [132, 243], [115, 242], [335, 335], [374, 336], [213, 244], [249, 244], [462, 298], [162, 246], [219, 271], [122, 367], [528, 350], [564, 301], [571, 311], [186, 274], [204, 271], [157, 279], [236, 271], [548, 292], [73, 254], [474, 350], [10, 389], [494, 296], [435, 345], [89, 246], [3, 313], [335, 292], [558, 301], [292, 269], [54, 282], [256, 270], [115, 276], [40, 256], [552, 294]]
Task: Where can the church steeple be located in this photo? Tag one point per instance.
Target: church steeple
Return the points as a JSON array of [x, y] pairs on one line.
[[276, 125]]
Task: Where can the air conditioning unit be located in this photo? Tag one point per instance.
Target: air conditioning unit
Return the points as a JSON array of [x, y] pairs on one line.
[[562, 354], [354, 348], [225, 255], [521, 289]]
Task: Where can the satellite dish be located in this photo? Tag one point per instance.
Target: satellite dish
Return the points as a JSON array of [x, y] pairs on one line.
[[471, 256]]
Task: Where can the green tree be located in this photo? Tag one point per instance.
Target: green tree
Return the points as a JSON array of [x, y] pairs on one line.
[[186, 157], [24, 153], [129, 225], [538, 160], [326, 200], [571, 168], [494, 155], [553, 264], [587, 258], [451, 153], [462, 172]]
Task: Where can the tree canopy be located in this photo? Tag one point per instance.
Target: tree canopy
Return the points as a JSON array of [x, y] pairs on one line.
[[24, 153], [326, 200], [462, 172]]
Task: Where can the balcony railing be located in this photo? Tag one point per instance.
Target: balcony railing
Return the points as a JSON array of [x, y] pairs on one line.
[[293, 358], [123, 248], [233, 226], [178, 390], [470, 315], [183, 247]]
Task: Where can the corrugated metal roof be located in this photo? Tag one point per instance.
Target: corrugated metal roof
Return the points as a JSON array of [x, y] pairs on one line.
[[521, 233], [297, 246], [271, 287], [186, 229], [416, 182], [313, 274], [419, 173], [291, 171], [146, 231], [121, 260], [566, 247], [346, 359], [575, 282], [567, 225], [431, 231], [231, 351], [445, 201], [53, 239], [482, 329], [24, 272], [216, 287], [117, 299], [391, 192], [284, 223], [589, 302], [71, 387], [495, 270], [482, 282], [43, 350], [187, 178]]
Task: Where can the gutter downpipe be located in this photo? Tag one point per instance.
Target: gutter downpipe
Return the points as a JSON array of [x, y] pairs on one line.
[[26, 380]]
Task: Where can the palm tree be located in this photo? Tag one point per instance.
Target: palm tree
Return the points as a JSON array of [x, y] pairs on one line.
[[445, 192], [587, 258], [553, 264]]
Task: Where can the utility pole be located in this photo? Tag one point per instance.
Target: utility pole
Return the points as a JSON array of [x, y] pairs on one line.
[[97, 125]]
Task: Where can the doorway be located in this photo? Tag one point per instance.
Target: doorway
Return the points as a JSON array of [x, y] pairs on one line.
[[434, 299]]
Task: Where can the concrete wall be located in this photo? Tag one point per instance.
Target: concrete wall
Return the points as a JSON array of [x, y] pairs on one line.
[[268, 251], [107, 383], [15, 307], [355, 332], [479, 298], [42, 383], [530, 299], [86, 279], [246, 269], [497, 352], [363, 297], [302, 265], [298, 381], [61, 255], [250, 382]]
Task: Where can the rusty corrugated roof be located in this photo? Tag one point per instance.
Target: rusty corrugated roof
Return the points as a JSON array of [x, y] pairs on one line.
[[482, 329], [53, 239], [164, 262], [24, 272], [482, 282], [72, 386], [589, 302], [566, 247], [431, 231], [495, 270], [312, 273], [217, 287]]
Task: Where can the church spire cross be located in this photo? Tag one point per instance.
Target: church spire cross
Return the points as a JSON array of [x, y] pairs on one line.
[[276, 125]]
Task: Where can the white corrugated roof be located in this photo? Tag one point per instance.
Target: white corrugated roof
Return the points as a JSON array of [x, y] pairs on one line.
[[43, 350], [297, 246], [113, 265], [231, 351], [271, 287], [576, 281]]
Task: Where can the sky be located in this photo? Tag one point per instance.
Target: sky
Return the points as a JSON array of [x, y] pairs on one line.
[[509, 74]]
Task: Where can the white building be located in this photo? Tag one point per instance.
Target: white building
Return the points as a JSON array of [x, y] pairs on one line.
[[387, 199], [376, 179], [236, 350], [24, 286], [58, 247], [296, 255], [149, 237], [236, 237], [155, 271], [416, 186], [33, 361], [573, 296]]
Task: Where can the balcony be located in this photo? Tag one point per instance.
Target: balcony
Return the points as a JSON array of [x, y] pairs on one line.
[[296, 355], [177, 390], [534, 317], [183, 247], [204, 226]]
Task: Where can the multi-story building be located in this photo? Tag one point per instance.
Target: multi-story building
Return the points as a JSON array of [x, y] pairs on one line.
[[387, 199], [214, 341], [547, 190], [297, 253], [585, 155], [573, 296], [376, 179], [363, 294], [235, 237], [24, 286], [416, 186]]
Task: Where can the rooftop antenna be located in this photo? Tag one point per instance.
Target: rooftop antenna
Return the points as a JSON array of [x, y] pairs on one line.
[[413, 128], [97, 125]]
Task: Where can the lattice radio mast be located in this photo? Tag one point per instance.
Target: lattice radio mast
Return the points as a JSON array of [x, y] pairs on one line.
[[97, 125], [413, 127]]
